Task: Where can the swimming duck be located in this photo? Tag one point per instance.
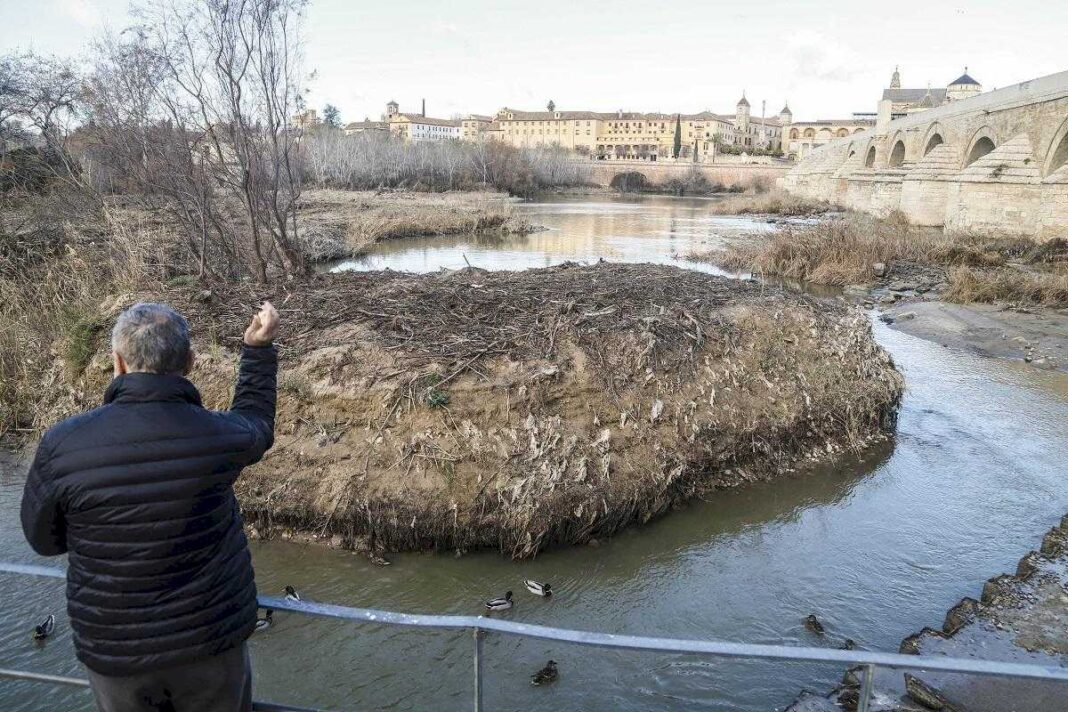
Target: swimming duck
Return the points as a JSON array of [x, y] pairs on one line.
[[546, 675], [45, 629], [265, 622], [500, 604], [813, 624], [291, 594], [538, 588], [849, 644]]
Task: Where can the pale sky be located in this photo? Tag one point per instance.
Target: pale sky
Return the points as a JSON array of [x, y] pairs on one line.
[[827, 57]]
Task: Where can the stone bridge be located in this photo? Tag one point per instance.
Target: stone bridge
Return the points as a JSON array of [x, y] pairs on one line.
[[994, 162], [659, 172]]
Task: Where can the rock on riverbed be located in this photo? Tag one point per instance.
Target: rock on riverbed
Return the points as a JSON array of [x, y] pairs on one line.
[[519, 410], [1021, 617]]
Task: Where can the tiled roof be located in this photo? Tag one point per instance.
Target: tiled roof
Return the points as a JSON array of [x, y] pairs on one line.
[[366, 125], [518, 115], [964, 79], [915, 96], [426, 120]]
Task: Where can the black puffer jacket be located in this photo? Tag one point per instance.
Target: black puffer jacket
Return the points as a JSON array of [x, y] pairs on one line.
[[140, 493]]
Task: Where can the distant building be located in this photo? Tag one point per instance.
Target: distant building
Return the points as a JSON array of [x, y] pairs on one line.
[[475, 127], [366, 125], [307, 119], [415, 127], [800, 138], [409, 126], [626, 135], [898, 102]]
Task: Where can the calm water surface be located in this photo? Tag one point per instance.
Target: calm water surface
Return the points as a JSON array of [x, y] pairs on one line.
[[877, 546], [620, 229]]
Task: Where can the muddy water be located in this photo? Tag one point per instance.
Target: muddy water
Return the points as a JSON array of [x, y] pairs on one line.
[[877, 546]]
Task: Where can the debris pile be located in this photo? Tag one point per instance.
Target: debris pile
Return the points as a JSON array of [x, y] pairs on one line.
[[519, 410]]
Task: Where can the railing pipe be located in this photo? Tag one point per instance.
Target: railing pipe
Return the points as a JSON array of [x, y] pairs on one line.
[[478, 669], [866, 689], [629, 642]]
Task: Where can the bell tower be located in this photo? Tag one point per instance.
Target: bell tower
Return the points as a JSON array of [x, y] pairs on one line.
[[741, 115]]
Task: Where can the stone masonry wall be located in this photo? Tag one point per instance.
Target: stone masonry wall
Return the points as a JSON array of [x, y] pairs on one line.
[[948, 176]]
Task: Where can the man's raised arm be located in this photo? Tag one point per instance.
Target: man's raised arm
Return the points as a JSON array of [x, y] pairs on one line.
[[255, 394]]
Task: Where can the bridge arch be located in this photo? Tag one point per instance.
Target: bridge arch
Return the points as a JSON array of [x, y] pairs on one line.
[[869, 159], [1057, 156], [983, 141], [934, 137], [897, 154]]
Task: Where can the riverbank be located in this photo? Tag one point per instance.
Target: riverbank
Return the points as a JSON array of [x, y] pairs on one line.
[[998, 296], [1035, 336], [1019, 617], [522, 410], [336, 224]]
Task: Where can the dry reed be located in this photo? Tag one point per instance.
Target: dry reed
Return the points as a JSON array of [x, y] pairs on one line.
[[843, 250], [773, 202]]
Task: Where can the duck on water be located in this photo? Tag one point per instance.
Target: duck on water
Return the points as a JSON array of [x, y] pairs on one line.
[[500, 604]]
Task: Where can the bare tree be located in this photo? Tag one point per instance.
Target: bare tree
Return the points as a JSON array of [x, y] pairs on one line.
[[193, 105], [39, 101]]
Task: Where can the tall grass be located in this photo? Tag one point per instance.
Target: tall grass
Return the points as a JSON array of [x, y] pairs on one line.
[[967, 284], [50, 318], [835, 252], [339, 223], [773, 202], [843, 251]]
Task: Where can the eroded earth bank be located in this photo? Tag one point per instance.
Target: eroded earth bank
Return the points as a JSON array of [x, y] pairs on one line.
[[519, 410]]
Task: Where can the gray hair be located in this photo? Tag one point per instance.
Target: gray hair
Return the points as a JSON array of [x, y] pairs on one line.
[[153, 338]]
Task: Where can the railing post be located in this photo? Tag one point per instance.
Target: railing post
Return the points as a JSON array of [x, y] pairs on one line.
[[478, 669], [865, 688]]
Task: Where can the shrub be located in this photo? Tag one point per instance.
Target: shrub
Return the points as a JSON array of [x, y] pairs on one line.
[[629, 182]]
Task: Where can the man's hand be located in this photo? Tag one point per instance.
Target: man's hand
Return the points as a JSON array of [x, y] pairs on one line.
[[263, 328]]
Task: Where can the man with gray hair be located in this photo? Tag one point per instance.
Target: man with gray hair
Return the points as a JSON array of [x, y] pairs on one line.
[[139, 494]]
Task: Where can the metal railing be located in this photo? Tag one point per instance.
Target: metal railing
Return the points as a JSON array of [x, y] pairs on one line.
[[480, 625]]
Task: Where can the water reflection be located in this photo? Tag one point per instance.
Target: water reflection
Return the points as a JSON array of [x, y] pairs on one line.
[[654, 229]]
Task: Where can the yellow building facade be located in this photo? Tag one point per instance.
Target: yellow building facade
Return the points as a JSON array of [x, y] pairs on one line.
[[626, 135]]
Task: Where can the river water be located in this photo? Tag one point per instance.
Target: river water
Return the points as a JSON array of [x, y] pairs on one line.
[[877, 546]]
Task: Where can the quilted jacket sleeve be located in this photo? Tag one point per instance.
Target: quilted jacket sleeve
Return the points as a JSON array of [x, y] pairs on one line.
[[43, 519], [255, 395]]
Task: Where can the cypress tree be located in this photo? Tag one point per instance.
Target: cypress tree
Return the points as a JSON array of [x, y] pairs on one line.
[[677, 149]]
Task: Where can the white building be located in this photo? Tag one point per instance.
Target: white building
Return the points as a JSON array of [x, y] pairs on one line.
[[420, 127], [413, 127]]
